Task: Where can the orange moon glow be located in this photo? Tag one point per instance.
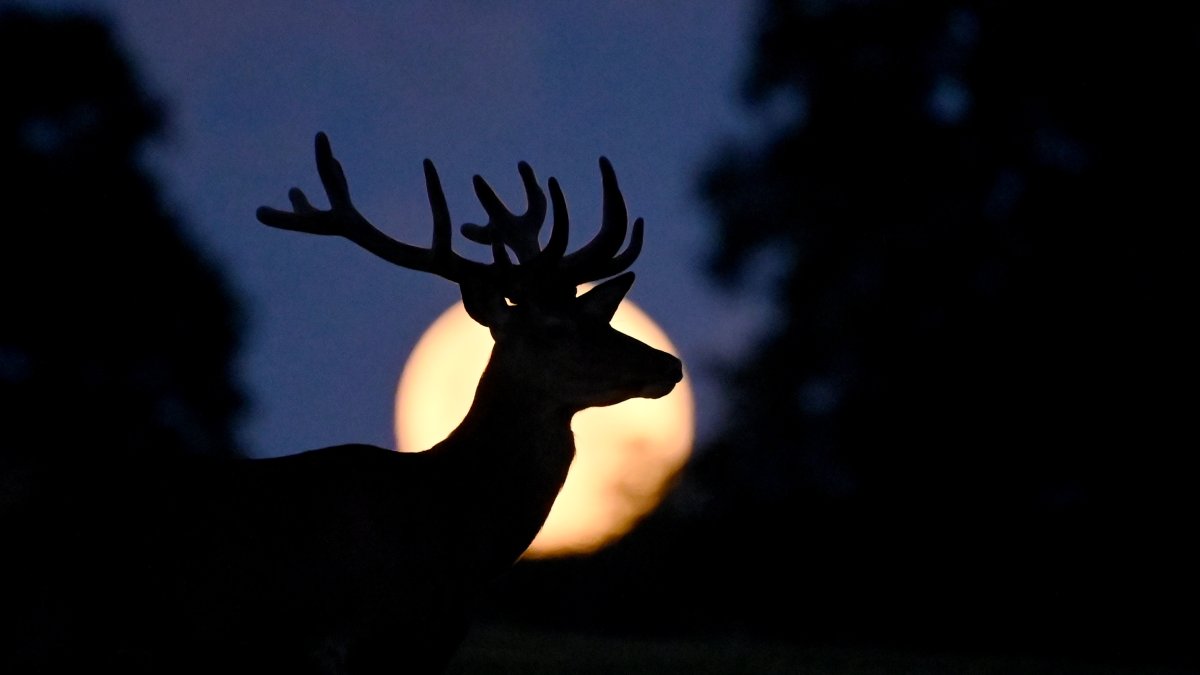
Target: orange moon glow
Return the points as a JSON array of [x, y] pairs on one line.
[[626, 454]]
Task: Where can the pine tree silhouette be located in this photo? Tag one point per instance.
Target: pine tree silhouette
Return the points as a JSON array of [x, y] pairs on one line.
[[116, 337], [117, 334]]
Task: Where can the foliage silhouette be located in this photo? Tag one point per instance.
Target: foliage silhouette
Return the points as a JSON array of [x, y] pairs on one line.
[[117, 338], [980, 306], [115, 326], [976, 270]]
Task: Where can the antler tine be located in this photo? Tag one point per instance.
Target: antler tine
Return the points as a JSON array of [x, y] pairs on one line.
[[538, 275], [343, 219], [557, 245], [541, 279], [598, 258], [607, 267], [520, 233], [548, 268], [442, 230]]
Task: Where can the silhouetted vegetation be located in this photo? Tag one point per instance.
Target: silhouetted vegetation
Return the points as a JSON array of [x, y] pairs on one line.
[[979, 220], [115, 344], [965, 430], [117, 335]]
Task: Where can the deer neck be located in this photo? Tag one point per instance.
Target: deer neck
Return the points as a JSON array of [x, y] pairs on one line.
[[513, 423], [511, 452]]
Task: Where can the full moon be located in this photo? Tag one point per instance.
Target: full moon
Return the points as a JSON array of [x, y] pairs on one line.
[[626, 454]]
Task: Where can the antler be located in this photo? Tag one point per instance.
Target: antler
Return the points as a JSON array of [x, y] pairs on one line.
[[542, 272], [599, 258], [343, 219]]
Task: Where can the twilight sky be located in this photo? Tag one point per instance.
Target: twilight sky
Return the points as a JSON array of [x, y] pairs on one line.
[[476, 87]]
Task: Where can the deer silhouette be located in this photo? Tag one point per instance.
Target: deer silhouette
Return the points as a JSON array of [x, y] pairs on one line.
[[358, 559], [436, 526]]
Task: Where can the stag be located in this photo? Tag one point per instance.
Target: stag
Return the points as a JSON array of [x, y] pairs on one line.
[[359, 559]]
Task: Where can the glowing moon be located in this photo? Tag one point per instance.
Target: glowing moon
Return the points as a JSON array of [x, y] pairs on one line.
[[626, 454]]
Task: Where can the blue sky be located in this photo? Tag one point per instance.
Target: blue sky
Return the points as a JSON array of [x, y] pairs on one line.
[[474, 86]]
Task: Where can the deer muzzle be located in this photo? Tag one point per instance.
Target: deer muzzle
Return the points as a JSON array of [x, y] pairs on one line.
[[668, 371]]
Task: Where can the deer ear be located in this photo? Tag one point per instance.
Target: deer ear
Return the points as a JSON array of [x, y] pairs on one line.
[[601, 302], [484, 304]]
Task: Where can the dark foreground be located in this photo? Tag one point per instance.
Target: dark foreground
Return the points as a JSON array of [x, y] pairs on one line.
[[504, 649]]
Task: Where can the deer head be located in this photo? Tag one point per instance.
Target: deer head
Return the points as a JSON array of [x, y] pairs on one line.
[[558, 346]]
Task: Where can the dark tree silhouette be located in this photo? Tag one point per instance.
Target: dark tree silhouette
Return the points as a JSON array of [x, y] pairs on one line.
[[979, 211], [117, 335], [977, 223]]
